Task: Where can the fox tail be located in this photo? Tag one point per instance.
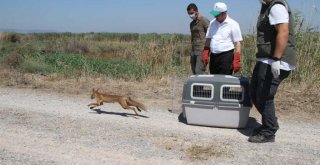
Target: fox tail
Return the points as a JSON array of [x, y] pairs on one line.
[[137, 104]]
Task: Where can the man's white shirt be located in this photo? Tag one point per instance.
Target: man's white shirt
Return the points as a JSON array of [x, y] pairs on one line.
[[278, 14], [223, 35]]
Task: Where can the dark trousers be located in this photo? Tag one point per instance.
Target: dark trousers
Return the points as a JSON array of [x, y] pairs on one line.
[[263, 88], [221, 63]]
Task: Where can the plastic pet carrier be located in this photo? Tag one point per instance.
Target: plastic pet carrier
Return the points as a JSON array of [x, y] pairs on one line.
[[216, 100]]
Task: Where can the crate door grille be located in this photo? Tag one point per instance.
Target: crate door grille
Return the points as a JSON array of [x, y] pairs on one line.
[[232, 93], [202, 91]]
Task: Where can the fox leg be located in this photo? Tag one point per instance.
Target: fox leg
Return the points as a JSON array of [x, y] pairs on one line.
[[135, 103], [138, 108], [92, 105], [98, 103], [124, 105]]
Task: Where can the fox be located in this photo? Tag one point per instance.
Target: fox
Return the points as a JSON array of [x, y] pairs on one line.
[[126, 102]]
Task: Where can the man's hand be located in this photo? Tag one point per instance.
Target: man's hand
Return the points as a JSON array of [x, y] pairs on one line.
[[275, 69], [205, 55], [236, 64]]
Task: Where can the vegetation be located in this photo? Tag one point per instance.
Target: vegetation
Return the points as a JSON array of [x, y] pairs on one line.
[[133, 56], [117, 55]]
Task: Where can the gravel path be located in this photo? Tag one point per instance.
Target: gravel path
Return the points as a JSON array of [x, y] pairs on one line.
[[39, 127]]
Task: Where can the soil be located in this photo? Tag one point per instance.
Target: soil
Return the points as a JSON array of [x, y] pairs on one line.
[[48, 122]]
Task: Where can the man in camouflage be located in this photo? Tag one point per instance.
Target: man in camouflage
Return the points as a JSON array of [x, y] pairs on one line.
[[198, 28]]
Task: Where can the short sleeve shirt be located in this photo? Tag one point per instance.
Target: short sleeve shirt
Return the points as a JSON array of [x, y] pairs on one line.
[[223, 35], [278, 14]]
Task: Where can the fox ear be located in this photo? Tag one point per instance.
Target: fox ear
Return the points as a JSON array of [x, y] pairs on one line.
[[93, 89]]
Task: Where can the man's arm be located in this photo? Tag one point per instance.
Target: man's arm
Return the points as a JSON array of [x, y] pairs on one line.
[[238, 47], [281, 39], [281, 44], [206, 51], [206, 25], [207, 44], [236, 64]]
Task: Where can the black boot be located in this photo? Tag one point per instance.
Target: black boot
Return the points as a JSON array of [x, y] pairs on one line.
[[256, 131], [260, 138]]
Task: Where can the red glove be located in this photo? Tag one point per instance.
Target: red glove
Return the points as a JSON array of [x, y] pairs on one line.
[[236, 66], [205, 55]]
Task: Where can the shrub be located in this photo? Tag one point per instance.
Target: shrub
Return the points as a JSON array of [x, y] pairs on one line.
[[32, 65], [10, 37], [12, 60]]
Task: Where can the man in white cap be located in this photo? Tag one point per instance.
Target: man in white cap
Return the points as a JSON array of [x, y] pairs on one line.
[[223, 40]]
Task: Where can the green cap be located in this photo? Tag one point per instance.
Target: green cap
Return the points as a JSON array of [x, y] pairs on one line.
[[215, 13]]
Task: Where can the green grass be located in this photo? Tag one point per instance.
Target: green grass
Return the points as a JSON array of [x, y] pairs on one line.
[[75, 65], [33, 65]]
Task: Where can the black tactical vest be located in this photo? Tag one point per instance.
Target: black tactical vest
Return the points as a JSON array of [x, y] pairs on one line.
[[266, 35]]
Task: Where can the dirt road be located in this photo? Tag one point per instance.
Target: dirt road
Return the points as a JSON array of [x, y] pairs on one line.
[[41, 127]]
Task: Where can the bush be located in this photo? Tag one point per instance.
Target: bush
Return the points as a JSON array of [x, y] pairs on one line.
[[10, 37], [33, 65], [12, 60]]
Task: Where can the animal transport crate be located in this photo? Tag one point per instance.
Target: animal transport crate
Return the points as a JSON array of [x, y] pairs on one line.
[[216, 100]]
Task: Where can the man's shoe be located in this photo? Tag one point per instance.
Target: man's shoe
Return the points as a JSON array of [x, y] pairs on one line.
[[256, 131], [259, 138]]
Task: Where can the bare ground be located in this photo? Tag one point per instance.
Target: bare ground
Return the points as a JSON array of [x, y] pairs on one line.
[[47, 122]]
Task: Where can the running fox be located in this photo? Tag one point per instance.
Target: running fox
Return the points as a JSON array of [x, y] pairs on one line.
[[125, 101]]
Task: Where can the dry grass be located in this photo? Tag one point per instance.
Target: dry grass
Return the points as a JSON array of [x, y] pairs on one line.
[[292, 101], [299, 102], [12, 60], [193, 150], [141, 55], [208, 151], [152, 91], [11, 37], [131, 55], [152, 79]]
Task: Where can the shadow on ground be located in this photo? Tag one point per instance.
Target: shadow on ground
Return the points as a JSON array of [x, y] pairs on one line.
[[252, 124], [181, 118], [99, 111]]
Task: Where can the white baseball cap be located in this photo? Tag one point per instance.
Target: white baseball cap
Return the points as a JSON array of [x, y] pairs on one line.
[[218, 8]]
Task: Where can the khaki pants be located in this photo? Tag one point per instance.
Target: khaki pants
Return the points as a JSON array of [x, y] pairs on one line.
[[197, 66]]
